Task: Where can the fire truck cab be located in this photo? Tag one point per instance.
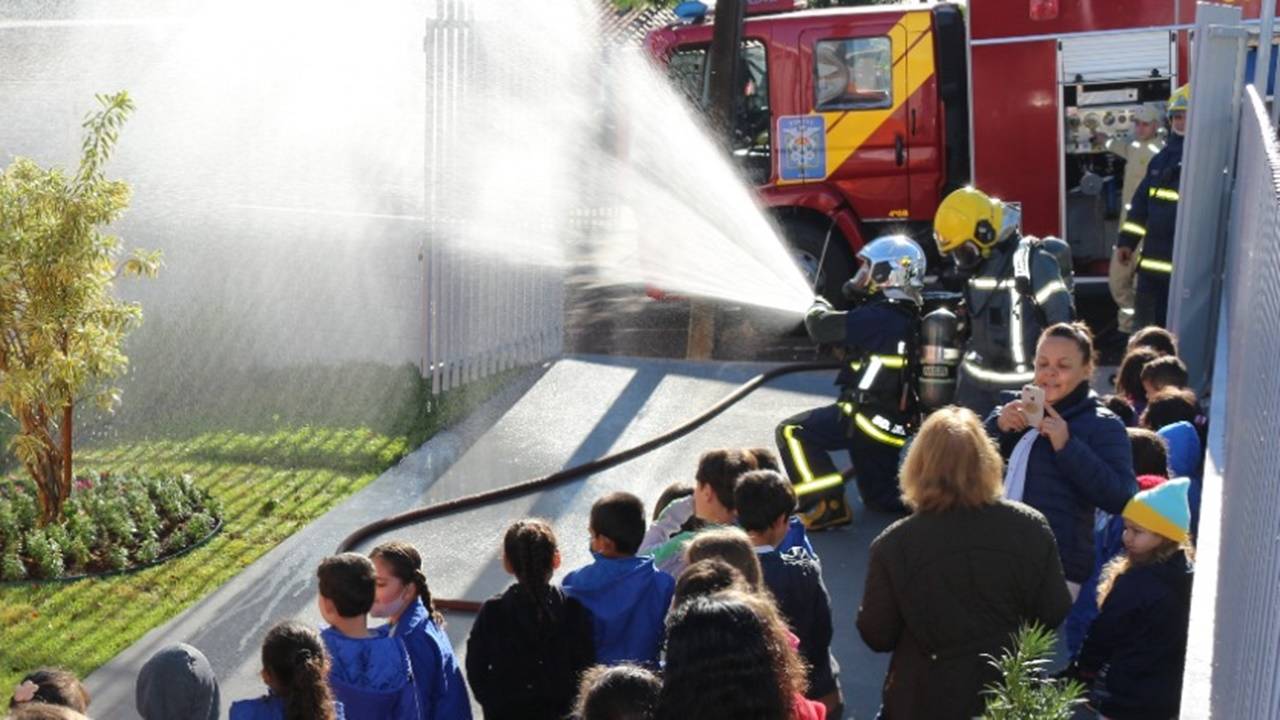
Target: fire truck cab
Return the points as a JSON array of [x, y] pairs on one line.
[[859, 120]]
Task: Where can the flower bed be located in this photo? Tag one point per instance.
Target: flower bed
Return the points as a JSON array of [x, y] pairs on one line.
[[111, 523]]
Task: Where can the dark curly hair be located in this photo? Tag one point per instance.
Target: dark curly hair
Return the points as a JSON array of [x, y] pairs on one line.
[[620, 692], [725, 662], [294, 657], [55, 686], [406, 564]]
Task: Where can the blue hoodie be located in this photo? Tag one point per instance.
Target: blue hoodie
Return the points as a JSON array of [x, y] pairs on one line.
[[371, 676], [442, 693], [267, 707], [628, 599], [1185, 458]]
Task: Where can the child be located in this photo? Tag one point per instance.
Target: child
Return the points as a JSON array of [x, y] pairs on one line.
[[725, 660], [1140, 634], [621, 692], [405, 600], [731, 545], [43, 711], [707, 577], [766, 502], [1129, 377], [52, 686], [1161, 373], [529, 646], [627, 596], [676, 491], [294, 667], [1156, 338], [370, 673], [711, 505], [1149, 461], [177, 682]]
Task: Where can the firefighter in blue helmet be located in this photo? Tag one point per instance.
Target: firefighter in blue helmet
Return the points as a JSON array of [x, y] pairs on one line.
[[1152, 215], [1015, 287], [874, 412]]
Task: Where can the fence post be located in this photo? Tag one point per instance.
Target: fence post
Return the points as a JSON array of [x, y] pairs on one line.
[[1207, 169]]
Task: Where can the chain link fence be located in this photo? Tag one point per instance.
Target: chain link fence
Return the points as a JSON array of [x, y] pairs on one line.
[[1233, 657]]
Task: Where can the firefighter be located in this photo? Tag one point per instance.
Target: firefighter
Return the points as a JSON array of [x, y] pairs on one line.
[[1147, 142], [1152, 214], [874, 412], [1015, 287]]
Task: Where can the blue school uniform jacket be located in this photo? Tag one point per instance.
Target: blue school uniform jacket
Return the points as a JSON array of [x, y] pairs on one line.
[[1186, 459], [794, 577], [267, 707], [1140, 637], [371, 677], [442, 693], [628, 599], [1094, 470]]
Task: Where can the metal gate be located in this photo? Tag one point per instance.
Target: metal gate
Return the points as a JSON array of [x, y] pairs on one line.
[[486, 309]]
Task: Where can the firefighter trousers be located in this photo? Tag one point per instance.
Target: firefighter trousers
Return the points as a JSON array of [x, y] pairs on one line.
[[1151, 303], [806, 441]]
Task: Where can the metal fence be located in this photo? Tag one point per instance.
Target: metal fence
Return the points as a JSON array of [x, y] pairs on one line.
[[1233, 655], [486, 310]]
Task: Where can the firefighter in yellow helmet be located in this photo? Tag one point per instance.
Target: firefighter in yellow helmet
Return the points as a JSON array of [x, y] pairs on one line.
[[1152, 214], [1015, 287]]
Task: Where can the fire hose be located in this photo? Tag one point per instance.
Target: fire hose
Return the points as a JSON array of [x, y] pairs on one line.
[[468, 502]]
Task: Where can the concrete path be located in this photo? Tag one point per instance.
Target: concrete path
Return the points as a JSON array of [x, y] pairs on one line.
[[578, 409]]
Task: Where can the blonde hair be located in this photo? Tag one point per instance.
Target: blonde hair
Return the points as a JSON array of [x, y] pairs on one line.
[[1123, 563], [952, 463]]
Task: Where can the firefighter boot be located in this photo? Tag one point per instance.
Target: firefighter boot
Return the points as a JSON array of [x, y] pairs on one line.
[[829, 510]]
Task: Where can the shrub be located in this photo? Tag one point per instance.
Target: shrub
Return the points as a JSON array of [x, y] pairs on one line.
[[112, 522]]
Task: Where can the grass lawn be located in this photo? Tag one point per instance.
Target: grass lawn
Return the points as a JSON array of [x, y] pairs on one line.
[[271, 483]]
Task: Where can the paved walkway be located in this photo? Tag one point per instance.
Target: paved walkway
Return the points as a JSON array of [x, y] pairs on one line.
[[576, 410]]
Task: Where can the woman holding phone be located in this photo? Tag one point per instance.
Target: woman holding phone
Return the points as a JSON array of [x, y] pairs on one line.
[[1076, 458]]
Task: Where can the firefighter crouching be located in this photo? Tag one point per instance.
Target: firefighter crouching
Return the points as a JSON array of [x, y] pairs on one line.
[[1015, 287], [875, 410], [1152, 214]]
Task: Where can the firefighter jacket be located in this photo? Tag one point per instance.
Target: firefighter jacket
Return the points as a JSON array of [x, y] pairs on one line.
[[1023, 287], [1137, 156], [876, 337], [1153, 211]]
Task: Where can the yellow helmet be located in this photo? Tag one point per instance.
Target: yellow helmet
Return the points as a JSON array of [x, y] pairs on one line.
[[1180, 100], [968, 223]]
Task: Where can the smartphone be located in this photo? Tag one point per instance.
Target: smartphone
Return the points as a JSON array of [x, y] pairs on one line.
[[1033, 404]]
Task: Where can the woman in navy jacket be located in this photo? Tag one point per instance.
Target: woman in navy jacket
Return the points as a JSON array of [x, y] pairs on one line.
[[1079, 459]]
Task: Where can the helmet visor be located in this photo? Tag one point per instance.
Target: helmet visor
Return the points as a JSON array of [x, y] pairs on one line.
[[967, 256]]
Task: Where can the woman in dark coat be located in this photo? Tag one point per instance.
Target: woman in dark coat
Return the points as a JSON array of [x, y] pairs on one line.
[[953, 582], [1079, 459]]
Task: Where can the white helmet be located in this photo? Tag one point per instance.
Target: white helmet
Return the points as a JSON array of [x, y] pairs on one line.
[[894, 265]]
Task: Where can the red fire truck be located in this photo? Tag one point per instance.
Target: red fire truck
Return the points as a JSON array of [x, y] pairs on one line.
[[858, 120]]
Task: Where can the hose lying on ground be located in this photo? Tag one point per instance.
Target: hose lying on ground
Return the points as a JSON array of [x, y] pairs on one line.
[[467, 502]]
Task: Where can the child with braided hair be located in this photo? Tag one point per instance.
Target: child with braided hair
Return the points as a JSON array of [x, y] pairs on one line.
[[295, 668], [404, 599], [530, 645]]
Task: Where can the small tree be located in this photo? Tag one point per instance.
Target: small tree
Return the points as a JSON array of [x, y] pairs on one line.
[[61, 326], [1025, 692]]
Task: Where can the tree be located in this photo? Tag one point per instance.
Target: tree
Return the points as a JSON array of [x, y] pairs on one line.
[[61, 325]]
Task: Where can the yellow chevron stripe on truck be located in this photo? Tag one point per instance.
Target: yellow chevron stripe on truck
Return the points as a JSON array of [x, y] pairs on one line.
[[848, 130]]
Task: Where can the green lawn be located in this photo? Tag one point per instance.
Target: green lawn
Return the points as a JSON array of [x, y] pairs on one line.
[[271, 483]]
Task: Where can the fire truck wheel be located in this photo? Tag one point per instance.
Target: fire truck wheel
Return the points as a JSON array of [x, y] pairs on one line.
[[806, 240]]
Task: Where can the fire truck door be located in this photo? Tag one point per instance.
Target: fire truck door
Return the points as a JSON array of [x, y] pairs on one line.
[[858, 85]]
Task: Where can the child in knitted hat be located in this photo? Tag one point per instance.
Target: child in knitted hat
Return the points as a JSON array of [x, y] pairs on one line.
[[1140, 634]]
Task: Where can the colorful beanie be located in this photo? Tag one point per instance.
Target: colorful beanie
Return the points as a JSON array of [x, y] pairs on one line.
[[1163, 510]]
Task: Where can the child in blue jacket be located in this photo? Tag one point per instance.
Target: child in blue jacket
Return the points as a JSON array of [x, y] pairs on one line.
[[628, 597], [405, 600], [370, 674], [295, 668], [1138, 642]]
